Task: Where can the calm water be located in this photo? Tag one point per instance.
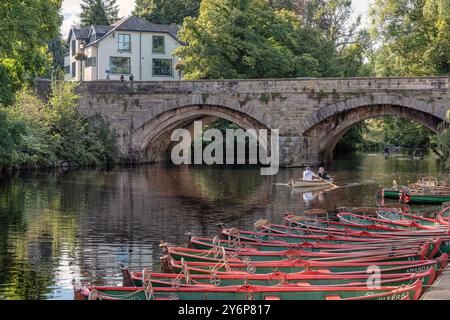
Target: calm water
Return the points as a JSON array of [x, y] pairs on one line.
[[55, 227]]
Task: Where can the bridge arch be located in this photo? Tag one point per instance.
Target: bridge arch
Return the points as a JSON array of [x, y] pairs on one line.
[[326, 127], [153, 137]]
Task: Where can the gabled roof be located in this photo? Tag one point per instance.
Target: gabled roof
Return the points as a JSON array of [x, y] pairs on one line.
[[133, 23], [80, 32], [101, 29]]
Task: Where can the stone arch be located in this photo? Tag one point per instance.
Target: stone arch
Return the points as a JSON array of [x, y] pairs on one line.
[[326, 126], [152, 138]]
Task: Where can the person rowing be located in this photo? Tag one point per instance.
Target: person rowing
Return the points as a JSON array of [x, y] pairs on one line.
[[322, 174], [308, 174]]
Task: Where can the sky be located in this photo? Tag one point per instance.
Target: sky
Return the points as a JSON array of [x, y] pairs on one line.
[[71, 10]]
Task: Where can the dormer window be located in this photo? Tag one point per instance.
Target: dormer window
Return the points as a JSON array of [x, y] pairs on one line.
[[124, 42]]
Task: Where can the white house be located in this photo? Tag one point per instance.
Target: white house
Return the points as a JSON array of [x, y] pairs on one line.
[[132, 46]]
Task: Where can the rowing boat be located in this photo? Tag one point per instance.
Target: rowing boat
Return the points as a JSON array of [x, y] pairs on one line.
[[218, 255], [422, 198], [237, 245], [169, 265], [300, 183], [357, 219], [314, 278], [250, 292]]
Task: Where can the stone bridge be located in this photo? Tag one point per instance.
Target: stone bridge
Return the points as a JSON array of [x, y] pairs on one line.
[[311, 114]]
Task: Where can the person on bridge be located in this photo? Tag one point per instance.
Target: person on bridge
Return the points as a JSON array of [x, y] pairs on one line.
[[322, 174], [308, 174]]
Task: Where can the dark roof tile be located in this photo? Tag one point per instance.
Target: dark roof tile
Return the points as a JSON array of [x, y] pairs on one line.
[[81, 32]]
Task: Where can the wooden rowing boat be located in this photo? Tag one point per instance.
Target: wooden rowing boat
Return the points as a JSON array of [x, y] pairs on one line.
[[357, 219], [218, 255], [300, 183], [237, 246], [314, 278], [250, 292], [296, 265], [408, 218], [422, 198]]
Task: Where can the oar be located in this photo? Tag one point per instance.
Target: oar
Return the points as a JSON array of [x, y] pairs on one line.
[[331, 184]]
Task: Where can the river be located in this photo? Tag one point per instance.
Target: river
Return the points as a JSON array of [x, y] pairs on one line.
[[58, 226]]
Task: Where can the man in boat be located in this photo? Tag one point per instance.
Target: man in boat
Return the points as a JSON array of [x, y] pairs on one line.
[[308, 174], [322, 174]]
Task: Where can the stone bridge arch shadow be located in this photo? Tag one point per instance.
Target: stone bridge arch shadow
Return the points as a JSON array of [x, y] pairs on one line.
[[153, 142], [327, 126]]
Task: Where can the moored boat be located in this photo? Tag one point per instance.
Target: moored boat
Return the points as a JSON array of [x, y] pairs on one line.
[[357, 219], [420, 197], [316, 278], [250, 292], [169, 265], [218, 255]]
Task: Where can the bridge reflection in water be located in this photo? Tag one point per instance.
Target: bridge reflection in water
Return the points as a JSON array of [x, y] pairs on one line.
[[58, 226]]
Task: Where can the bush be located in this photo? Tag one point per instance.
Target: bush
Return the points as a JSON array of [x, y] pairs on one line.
[[38, 134]]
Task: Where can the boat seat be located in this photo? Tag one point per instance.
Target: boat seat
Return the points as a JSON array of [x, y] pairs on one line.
[[271, 298], [316, 212], [332, 298], [304, 284]]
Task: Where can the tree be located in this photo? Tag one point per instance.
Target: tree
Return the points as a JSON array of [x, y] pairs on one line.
[[166, 11], [99, 12], [247, 39], [26, 27], [413, 37], [57, 47]]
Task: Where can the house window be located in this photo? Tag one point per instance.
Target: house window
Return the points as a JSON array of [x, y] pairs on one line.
[[74, 47], [162, 67], [159, 45], [119, 65], [73, 70], [124, 42], [91, 62]]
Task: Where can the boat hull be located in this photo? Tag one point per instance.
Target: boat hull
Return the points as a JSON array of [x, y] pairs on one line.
[[418, 198]]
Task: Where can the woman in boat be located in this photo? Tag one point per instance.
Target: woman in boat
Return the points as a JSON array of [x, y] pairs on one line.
[[322, 174]]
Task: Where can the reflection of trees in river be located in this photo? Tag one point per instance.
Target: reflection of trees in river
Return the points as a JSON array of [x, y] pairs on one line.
[[33, 230]]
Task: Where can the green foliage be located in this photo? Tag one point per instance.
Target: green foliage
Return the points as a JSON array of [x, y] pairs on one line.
[[26, 27], [57, 47], [99, 12], [413, 37], [375, 134], [275, 39], [166, 11], [443, 142], [405, 133], [354, 139], [38, 134]]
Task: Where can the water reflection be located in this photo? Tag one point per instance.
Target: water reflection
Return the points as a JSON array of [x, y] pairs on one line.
[[58, 226]]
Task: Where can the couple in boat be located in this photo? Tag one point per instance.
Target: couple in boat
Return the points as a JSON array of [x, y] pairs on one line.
[[308, 175]]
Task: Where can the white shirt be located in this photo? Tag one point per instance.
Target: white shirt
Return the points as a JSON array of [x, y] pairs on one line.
[[307, 175]]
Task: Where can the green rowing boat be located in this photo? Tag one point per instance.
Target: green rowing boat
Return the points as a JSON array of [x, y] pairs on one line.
[[418, 198]]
